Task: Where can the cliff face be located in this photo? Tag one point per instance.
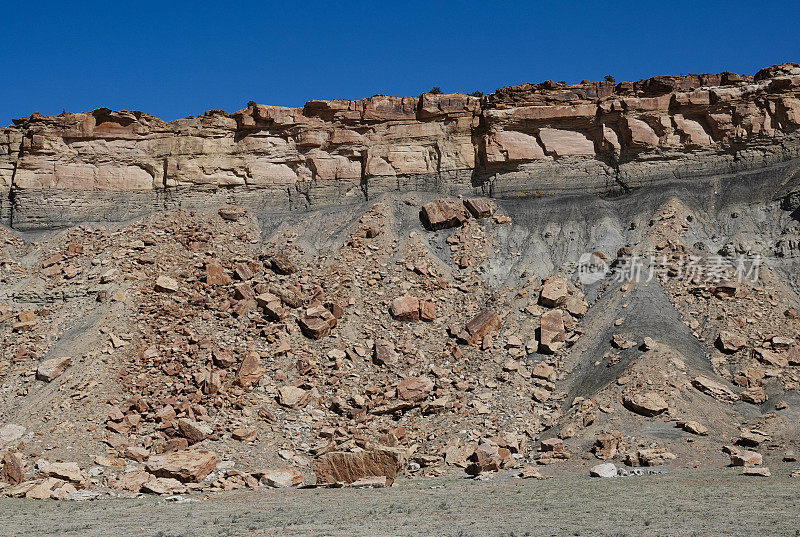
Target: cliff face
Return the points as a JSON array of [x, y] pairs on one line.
[[524, 140]]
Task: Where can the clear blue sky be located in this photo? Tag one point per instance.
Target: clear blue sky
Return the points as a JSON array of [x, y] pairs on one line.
[[175, 59]]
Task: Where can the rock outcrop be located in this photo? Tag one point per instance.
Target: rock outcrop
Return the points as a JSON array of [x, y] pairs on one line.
[[529, 139]]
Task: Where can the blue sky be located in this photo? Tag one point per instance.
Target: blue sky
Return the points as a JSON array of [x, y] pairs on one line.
[[175, 59]]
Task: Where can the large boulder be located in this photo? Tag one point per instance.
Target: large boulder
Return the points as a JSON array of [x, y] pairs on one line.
[[443, 213], [554, 292], [414, 389], [551, 332], [647, 404], [49, 369], [484, 322], [344, 467], [185, 466]]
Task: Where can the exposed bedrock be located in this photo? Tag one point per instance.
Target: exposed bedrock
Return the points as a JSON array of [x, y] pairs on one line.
[[527, 140]]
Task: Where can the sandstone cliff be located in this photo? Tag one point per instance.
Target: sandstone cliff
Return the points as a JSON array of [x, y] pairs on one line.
[[547, 138]]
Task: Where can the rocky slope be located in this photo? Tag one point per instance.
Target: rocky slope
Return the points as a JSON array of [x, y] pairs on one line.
[[165, 340], [526, 140]]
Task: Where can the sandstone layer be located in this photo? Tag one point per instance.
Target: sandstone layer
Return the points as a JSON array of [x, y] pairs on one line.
[[532, 139]]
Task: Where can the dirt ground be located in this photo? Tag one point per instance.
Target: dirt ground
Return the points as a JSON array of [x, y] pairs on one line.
[[683, 503]]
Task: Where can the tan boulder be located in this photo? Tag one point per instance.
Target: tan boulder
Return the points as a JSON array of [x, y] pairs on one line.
[[551, 332], [647, 404], [51, 368], [282, 478], [290, 396], [194, 431], [714, 389], [185, 466], [414, 389], [746, 457], [405, 308], [483, 323], [554, 292], [729, 342], [66, 471], [342, 467], [165, 284], [250, 371]]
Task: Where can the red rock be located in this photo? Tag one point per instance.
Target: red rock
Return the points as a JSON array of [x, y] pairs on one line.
[[551, 332], [223, 358], [185, 466], [729, 342], [165, 284], [215, 275], [280, 264], [414, 389], [250, 370], [341, 467], [478, 207], [442, 214], [405, 308], [49, 369], [383, 353], [427, 310], [243, 272], [485, 322], [12, 471]]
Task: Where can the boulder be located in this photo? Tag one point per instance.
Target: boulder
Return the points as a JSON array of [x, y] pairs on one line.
[[554, 293], [714, 389], [484, 322], [757, 472], [12, 471], [51, 368], [345, 467], [478, 207], [607, 445], [489, 457], [746, 457], [282, 478], [728, 342], [405, 308], [647, 404], [551, 332], [250, 371], [163, 485], [442, 214], [383, 352], [290, 396], [215, 274], [165, 284], [693, 427], [66, 471], [194, 431], [185, 466], [607, 469], [414, 389]]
